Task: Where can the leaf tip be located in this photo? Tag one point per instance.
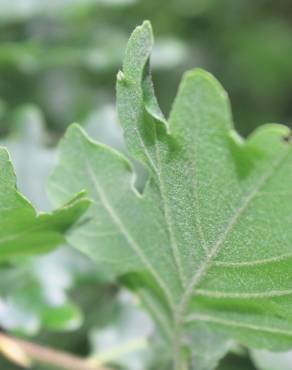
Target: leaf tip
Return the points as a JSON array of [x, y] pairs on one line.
[[138, 51], [145, 27], [142, 34], [199, 78], [72, 131], [203, 75], [74, 126]]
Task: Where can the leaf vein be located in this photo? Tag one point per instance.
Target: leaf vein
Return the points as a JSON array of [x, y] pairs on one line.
[[200, 273], [130, 240], [267, 294], [233, 323]]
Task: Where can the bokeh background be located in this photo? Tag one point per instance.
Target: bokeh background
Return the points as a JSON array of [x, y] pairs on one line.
[[58, 65]]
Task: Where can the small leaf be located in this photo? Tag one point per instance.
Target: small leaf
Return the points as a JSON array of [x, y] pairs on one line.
[[22, 230]]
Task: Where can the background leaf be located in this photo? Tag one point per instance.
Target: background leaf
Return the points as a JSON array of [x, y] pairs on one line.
[[29, 143], [265, 360], [126, 340]]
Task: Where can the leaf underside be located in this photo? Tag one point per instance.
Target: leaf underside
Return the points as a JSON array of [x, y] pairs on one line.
[[209, 239], [22, 230]]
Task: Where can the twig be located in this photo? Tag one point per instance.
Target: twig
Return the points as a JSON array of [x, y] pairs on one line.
[[25, 352]]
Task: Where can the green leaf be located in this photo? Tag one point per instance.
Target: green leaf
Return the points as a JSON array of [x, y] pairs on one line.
[[22, 230], [210, 236]]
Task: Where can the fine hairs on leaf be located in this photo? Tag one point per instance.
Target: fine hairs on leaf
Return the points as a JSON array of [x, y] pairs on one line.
[[207, 245]]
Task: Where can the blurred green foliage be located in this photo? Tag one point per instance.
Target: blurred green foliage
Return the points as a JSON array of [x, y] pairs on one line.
[[58, 64], [63, 55]]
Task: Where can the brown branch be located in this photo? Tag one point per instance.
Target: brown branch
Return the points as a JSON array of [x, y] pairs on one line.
[[25, 352]]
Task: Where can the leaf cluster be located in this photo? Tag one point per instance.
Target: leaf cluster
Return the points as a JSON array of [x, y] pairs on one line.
[[205, 242]]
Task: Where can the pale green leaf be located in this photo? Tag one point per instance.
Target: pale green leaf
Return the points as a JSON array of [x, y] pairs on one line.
[[208, 347], [34, 293], [210, 236], [22, 230]]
